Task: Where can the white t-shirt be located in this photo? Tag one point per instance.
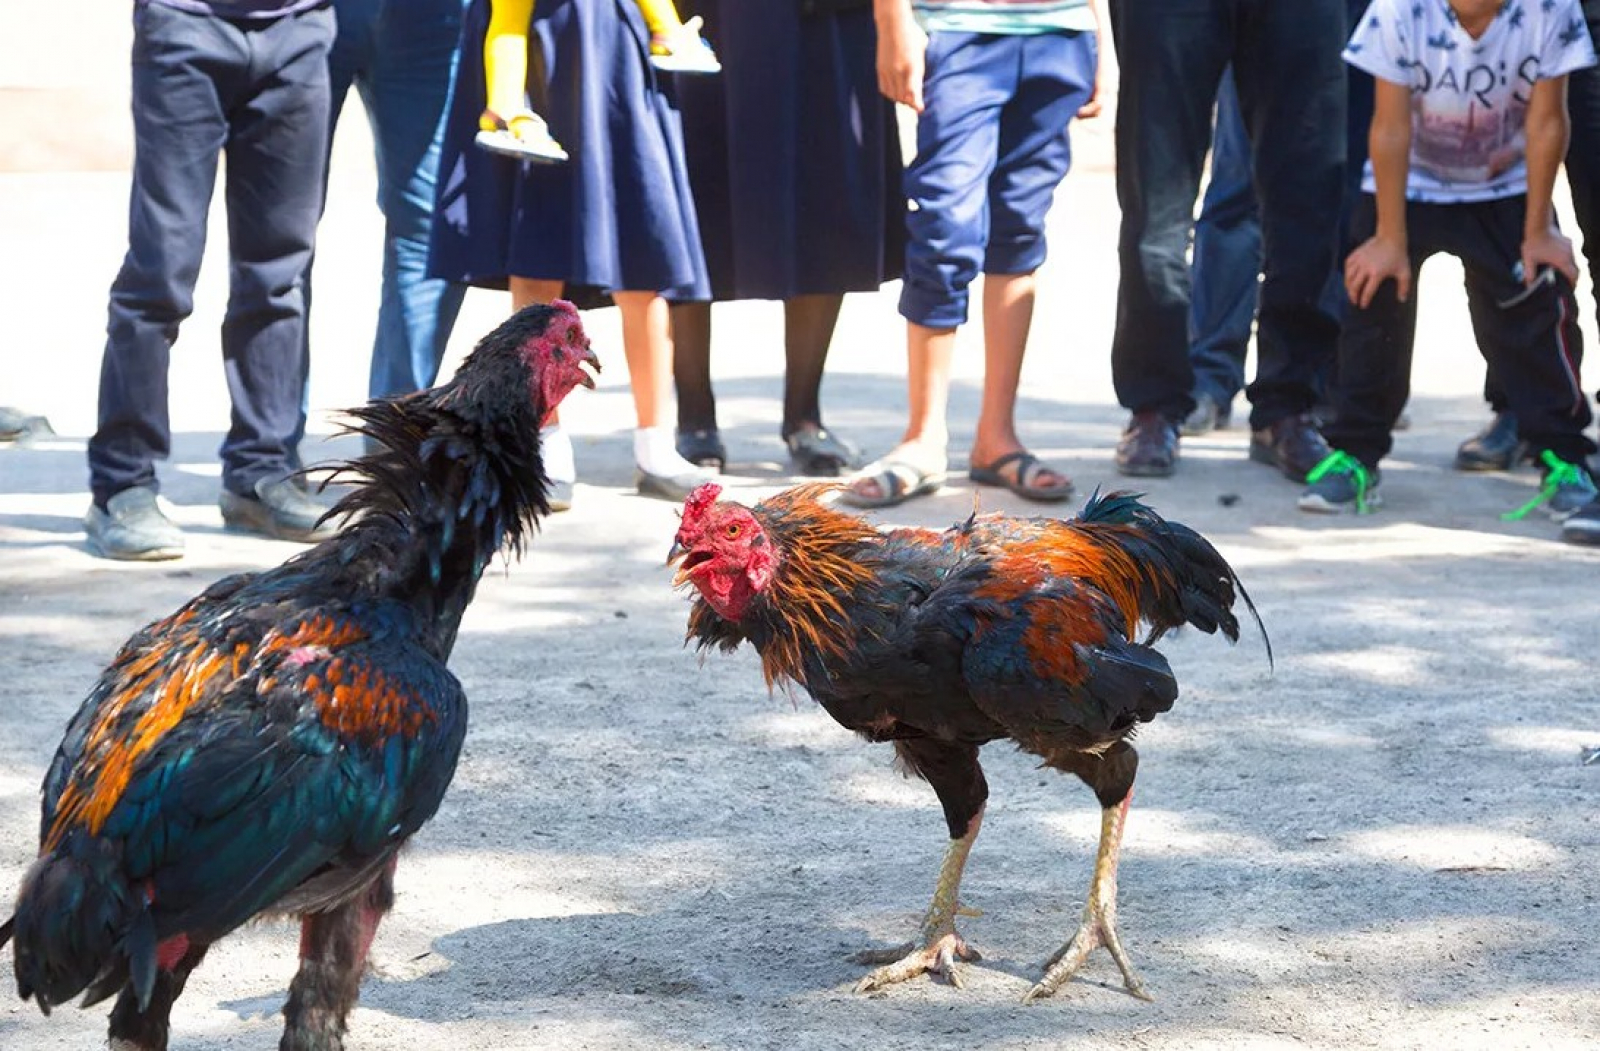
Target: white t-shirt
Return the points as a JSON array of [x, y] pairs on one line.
[[1469, 98]]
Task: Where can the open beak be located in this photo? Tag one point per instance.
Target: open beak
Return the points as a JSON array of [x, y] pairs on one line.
[[677, 554], [589, 358]]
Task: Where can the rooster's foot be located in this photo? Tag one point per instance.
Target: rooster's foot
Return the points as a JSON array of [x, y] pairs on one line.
[[1098, 929], [939, 955]]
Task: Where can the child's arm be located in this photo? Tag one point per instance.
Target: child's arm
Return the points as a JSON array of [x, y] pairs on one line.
[[902, 49], [1547, 130], [505, 57], [1384, 255]]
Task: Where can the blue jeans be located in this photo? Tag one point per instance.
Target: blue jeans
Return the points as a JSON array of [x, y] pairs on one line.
[[400, 56], [204, 86], [1225, 271]]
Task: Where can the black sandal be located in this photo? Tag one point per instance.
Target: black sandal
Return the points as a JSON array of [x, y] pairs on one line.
[[819, 453], [703, 448]]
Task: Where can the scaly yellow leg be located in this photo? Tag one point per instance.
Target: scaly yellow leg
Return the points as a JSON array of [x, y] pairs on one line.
[[1099, 926], [942, 947]]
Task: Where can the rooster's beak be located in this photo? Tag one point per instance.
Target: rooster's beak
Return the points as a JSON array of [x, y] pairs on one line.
[[677, 552], [589, 358]]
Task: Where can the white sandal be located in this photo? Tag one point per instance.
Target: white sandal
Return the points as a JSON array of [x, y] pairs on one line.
[[534, 143], [684, 50]]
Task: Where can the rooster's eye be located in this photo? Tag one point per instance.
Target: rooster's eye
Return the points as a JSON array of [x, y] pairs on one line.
[[732, 531]]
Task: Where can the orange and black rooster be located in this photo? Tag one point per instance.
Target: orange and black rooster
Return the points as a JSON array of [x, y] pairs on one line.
[[942, 642], [269, 747]]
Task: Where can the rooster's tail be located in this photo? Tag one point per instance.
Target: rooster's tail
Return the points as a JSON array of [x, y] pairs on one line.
[[77, 926], [1183, 578]]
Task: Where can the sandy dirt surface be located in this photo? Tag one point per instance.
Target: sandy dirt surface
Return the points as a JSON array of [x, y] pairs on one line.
[[1387, 841]]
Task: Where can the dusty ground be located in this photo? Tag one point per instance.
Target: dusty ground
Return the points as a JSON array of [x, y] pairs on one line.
[[1386, 842]]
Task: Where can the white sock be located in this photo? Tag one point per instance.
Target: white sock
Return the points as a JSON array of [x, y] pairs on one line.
[[555, 446], [655, 451]]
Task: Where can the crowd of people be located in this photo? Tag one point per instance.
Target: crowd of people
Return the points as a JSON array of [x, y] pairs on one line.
[[606, 152]]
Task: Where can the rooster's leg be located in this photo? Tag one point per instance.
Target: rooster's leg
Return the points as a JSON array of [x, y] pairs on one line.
[[333, 955], [941, 946], [147, 1030], [1099, 925]]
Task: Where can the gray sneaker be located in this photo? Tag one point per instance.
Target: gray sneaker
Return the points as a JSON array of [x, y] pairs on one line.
[[1208, 415], [1583, 525], [279, 509], [132, 529]]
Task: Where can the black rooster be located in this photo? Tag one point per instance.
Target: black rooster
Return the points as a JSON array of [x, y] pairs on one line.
[[941, 642], [269, 747]]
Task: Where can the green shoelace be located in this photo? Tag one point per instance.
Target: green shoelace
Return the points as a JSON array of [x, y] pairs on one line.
[[1559, 472], [1340, 462]]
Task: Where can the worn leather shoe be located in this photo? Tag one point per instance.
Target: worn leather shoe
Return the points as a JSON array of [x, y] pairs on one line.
[[1293, 445], [132, 528], [1495, 448], [1149, 446], [277, 508]]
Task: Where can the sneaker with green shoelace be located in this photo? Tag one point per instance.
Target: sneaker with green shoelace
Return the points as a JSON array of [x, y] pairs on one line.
[[1567, 487], [1341, 484]]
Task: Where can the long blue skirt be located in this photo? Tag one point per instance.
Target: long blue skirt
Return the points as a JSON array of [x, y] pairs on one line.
[[793, 154], [619, 216]]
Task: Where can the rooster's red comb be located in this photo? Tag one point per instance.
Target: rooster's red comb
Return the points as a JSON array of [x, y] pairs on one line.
[[700, 501]]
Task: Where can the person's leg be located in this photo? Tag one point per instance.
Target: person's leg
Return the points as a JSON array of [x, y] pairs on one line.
[[1376, 346], [1225, 274], [1533, 345], [647, 346], [1583, 154], [968, 78], [1373, 377], [691, 367], [1058, 72], [179, 128], [698, 440], [1292, 92], [1172, 55], [405, 95], [348, 59], [808, 324], [276, 167]]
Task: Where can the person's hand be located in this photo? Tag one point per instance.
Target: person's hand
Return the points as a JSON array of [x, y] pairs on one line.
[[1091, 108], [1551, 249], [1369, 266], [902, 51]]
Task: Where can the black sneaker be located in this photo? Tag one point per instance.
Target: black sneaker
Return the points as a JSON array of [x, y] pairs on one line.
[[1583, 525], [1495, 448], [132, 528], [1341, 484], [279, 509], [1566, 488]]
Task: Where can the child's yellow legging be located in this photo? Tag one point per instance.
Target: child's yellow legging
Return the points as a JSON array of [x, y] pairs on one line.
[[505, 50]]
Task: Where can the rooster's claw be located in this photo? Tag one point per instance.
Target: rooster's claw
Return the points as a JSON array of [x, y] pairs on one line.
[[906, 962]]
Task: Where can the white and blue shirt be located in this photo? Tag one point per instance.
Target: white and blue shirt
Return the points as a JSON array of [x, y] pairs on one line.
[[1469, 98], [1004, 17]]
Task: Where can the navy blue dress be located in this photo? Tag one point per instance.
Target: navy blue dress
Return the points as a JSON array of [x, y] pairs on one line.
[[619, 215], [794, 156]]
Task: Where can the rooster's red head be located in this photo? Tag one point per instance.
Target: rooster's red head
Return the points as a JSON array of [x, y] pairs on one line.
[[725, 553], [558, 357]]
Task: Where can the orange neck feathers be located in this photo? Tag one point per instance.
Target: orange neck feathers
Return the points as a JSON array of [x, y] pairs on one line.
[[819, 567]]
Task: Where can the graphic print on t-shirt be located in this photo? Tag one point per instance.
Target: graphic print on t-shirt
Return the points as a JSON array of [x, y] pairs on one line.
[[1469, 98]]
